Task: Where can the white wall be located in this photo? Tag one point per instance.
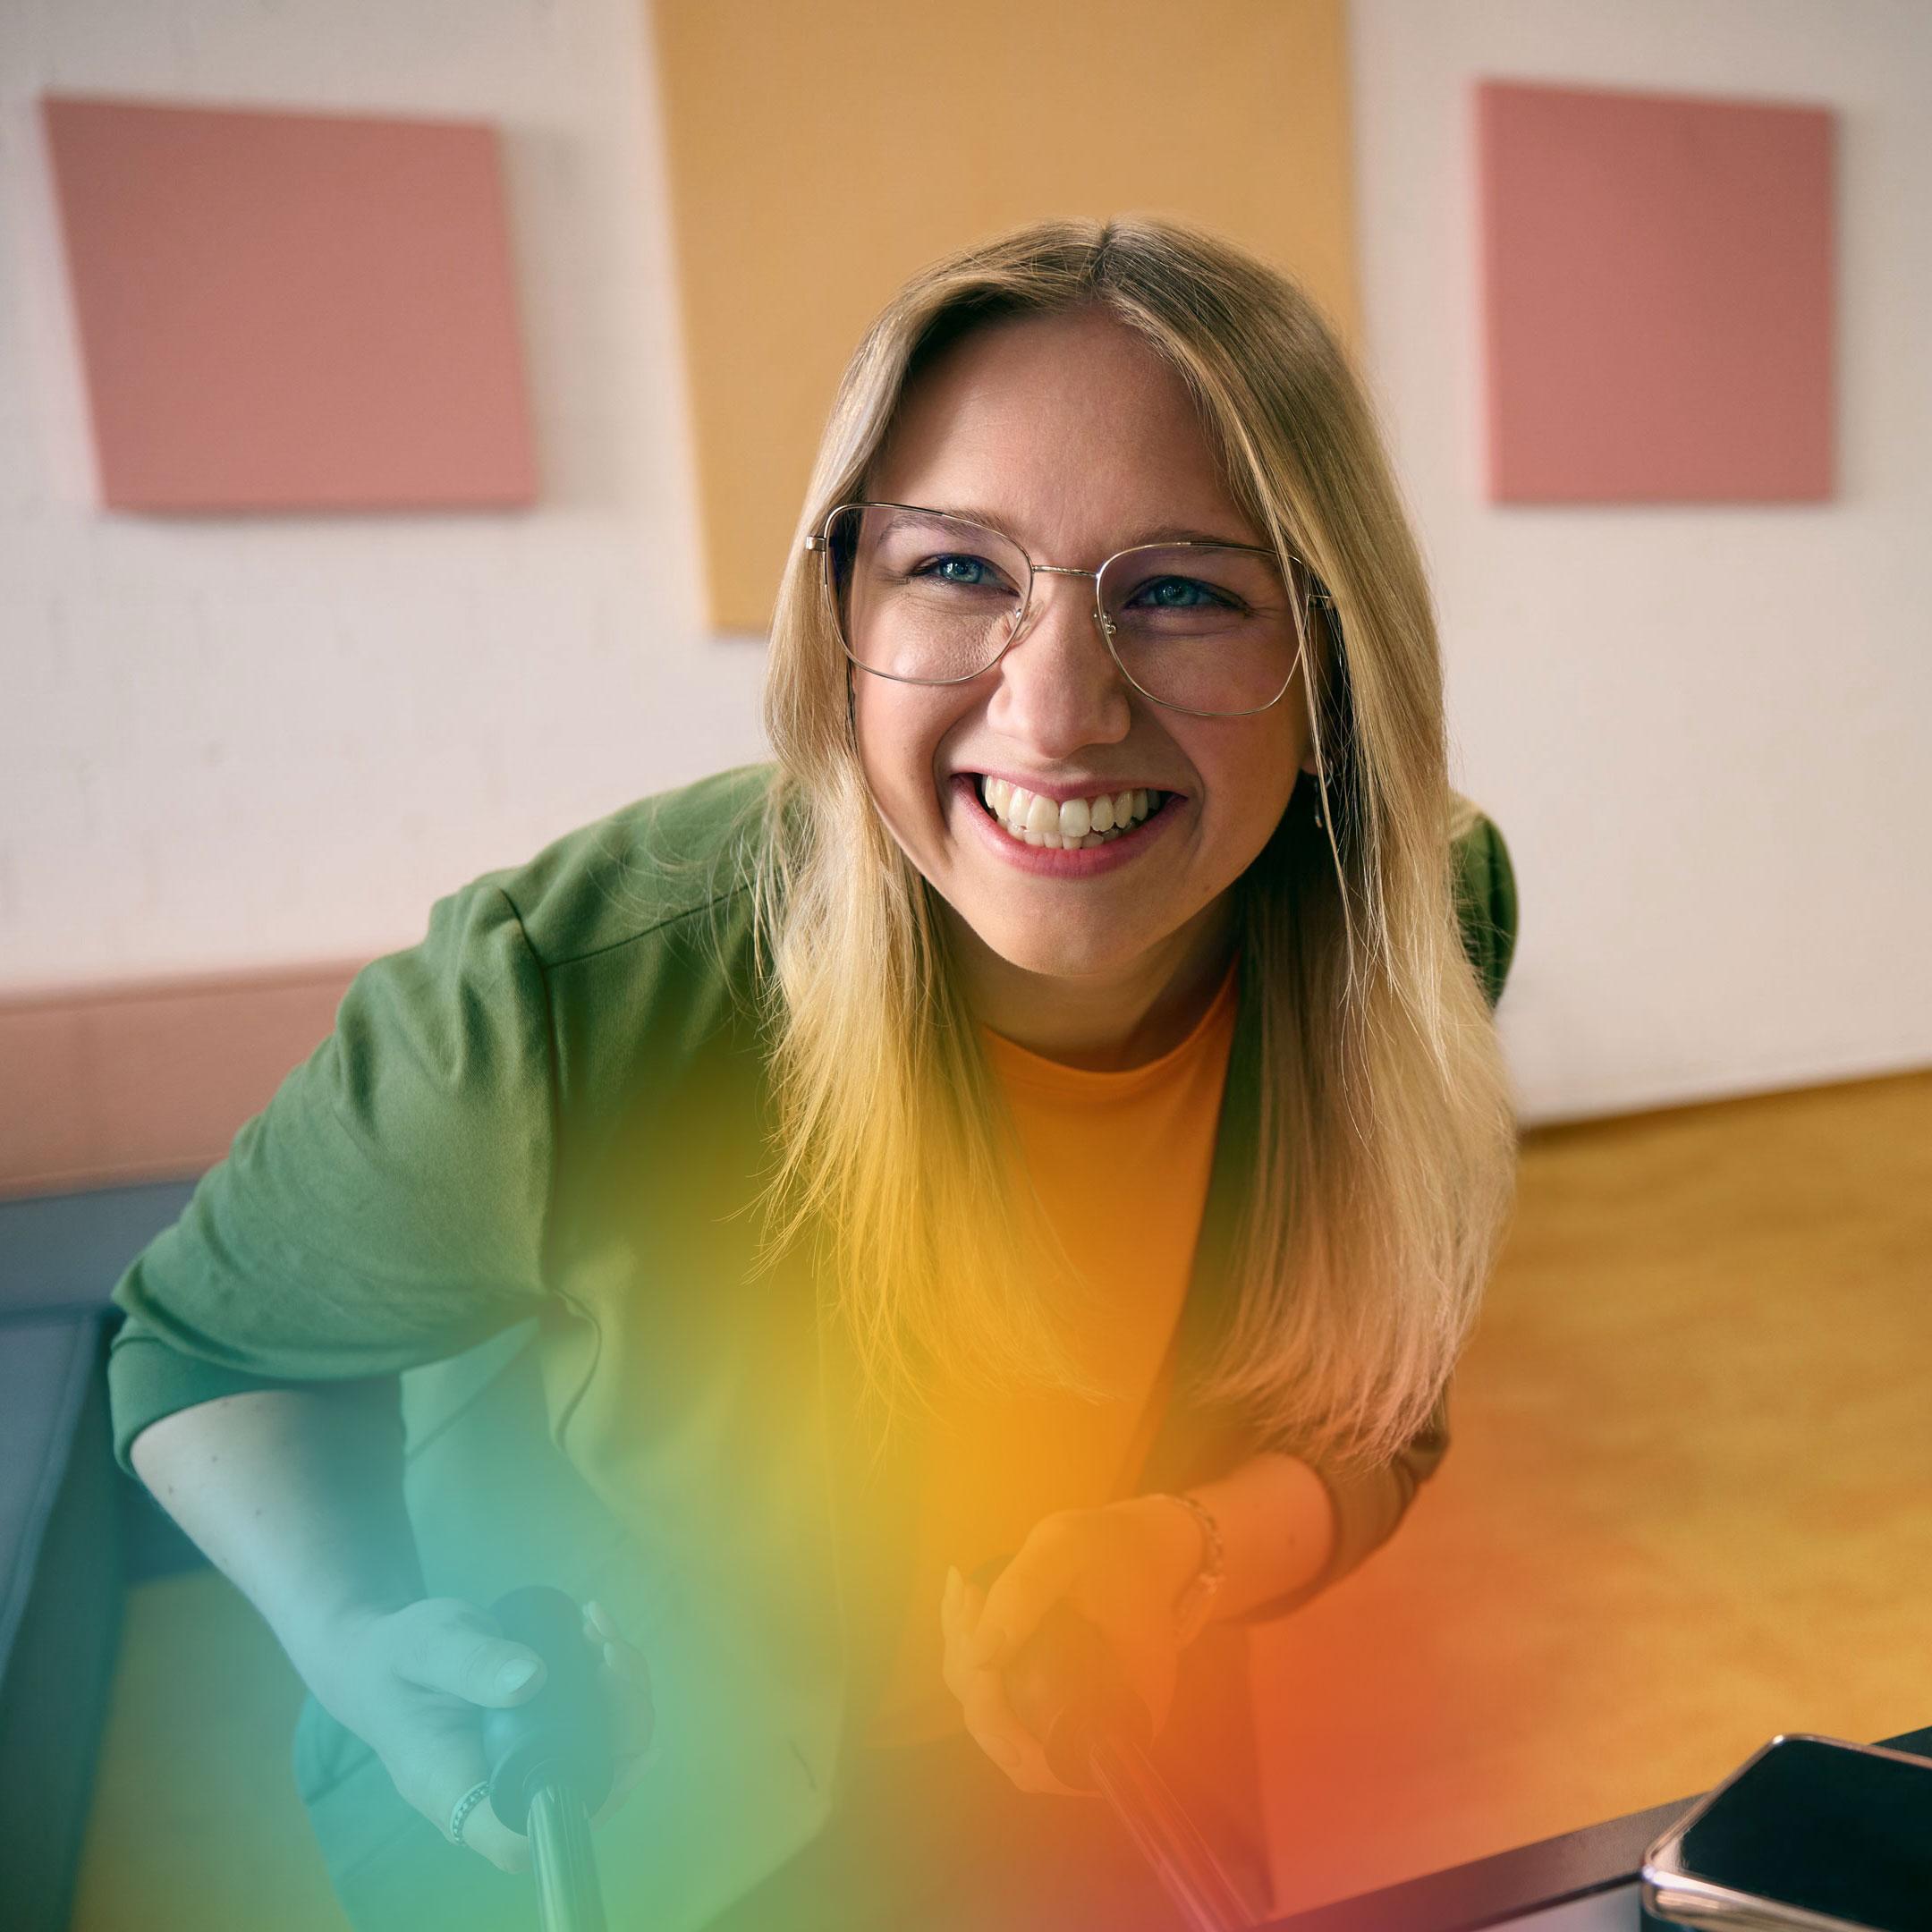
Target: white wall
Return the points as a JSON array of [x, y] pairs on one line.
[[229, 741], [1706, 730]]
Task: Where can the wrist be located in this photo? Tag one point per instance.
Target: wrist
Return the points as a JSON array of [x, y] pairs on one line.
[[320, 1637], [1174, 1540], [1197, 1569]]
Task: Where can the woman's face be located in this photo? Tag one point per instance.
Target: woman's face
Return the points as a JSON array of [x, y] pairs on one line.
[[1077, 440]]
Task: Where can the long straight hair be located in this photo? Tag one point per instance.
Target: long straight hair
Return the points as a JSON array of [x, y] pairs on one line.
[[1384, 1168]]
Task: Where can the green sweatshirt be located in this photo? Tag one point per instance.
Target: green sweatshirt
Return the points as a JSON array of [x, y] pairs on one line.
[[516, 1173]]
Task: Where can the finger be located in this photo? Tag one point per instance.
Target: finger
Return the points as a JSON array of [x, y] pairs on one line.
[[984, 1720], [628, 1662], [597, 1612], [483, 1832], [991, 1720], [981, 1691], [621, 1656], [625, 1678], [1010, 1745], [626, 1675], [956, 1666], [624, 1658], [968, 1604], [464, 1653], [991, 1724], [1036, 1578], [633, 1714]]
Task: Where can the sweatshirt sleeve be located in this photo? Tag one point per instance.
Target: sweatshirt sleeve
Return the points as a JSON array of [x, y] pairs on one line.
[[1368, 1504], [386, 1209]]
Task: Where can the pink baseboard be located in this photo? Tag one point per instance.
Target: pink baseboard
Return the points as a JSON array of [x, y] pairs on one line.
[[148, 1082]]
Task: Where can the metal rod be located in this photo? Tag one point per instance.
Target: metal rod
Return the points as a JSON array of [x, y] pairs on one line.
[[569, 1898], [1167, 1838]]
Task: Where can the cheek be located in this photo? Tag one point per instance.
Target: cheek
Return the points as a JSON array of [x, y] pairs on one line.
[[1235, 757], [881, 738], [899, 728], [1249, 780]]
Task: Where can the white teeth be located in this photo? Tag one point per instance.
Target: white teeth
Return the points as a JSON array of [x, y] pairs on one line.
[[1078, 823]]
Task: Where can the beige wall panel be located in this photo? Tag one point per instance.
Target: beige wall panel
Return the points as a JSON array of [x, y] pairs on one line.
[[819, 153]]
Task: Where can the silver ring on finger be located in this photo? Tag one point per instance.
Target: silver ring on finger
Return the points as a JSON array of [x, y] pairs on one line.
[[464, 1807]]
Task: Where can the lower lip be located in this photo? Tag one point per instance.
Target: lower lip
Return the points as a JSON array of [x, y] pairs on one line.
[[1087, 862]]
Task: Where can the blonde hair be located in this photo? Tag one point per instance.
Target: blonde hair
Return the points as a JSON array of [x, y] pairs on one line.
[[1384, 1168]]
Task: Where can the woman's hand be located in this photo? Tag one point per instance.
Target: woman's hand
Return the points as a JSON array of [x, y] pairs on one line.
[[410, 1683], [1121, 1566]]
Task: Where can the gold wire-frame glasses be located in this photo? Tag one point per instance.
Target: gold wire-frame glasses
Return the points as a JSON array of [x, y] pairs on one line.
[[820, 541]]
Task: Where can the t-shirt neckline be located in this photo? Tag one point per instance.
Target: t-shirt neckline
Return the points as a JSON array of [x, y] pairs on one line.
[[1015, 1063]]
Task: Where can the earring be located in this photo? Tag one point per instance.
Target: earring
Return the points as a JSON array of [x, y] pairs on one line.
[[1317, 802]]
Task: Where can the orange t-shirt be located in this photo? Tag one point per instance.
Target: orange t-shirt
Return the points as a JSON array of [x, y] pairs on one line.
[[1121, 1161]]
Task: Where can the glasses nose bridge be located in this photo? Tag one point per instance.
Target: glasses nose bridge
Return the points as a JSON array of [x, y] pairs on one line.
[[1065, 570]]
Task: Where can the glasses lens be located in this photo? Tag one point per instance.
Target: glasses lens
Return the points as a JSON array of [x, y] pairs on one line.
[[1202, 627], [920, 595]]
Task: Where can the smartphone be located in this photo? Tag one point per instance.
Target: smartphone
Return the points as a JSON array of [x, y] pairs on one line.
[[1810, 1833]]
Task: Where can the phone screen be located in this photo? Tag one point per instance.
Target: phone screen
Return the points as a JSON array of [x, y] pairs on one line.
[[1825, 1828]]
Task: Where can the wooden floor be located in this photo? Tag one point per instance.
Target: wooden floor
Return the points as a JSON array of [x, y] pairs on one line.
[[1688, 1504]]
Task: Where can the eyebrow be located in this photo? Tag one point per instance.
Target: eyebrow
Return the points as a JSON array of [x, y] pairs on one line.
[[1165, 533]]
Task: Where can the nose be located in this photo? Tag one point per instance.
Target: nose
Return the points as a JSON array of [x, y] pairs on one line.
[[1059, 688]]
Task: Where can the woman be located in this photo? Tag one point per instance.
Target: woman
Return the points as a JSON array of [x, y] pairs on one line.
[[1053, 1114]]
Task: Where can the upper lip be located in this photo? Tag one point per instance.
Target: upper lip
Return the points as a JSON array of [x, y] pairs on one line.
[[1060, 792]]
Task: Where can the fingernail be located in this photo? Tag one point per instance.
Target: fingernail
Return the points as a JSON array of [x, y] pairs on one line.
[[516, 1674]]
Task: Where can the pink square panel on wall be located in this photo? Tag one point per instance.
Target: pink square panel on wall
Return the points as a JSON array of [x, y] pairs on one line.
[[1657, 294], [291, 311]]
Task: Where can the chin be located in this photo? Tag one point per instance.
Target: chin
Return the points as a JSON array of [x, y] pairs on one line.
[[1059, 954]]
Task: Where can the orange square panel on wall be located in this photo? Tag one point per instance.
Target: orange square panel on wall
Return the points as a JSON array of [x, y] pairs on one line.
[[819, 155], [281, 311], [1657, 288]]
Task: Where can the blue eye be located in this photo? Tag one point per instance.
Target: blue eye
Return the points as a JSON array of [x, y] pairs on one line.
[[937, 568], [1180, 583]]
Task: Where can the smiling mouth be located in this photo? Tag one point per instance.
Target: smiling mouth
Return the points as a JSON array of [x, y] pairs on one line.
[[1078, 824]]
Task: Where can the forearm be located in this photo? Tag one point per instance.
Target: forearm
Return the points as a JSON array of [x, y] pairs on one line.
[[296, 1496], [1277, 1525]]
